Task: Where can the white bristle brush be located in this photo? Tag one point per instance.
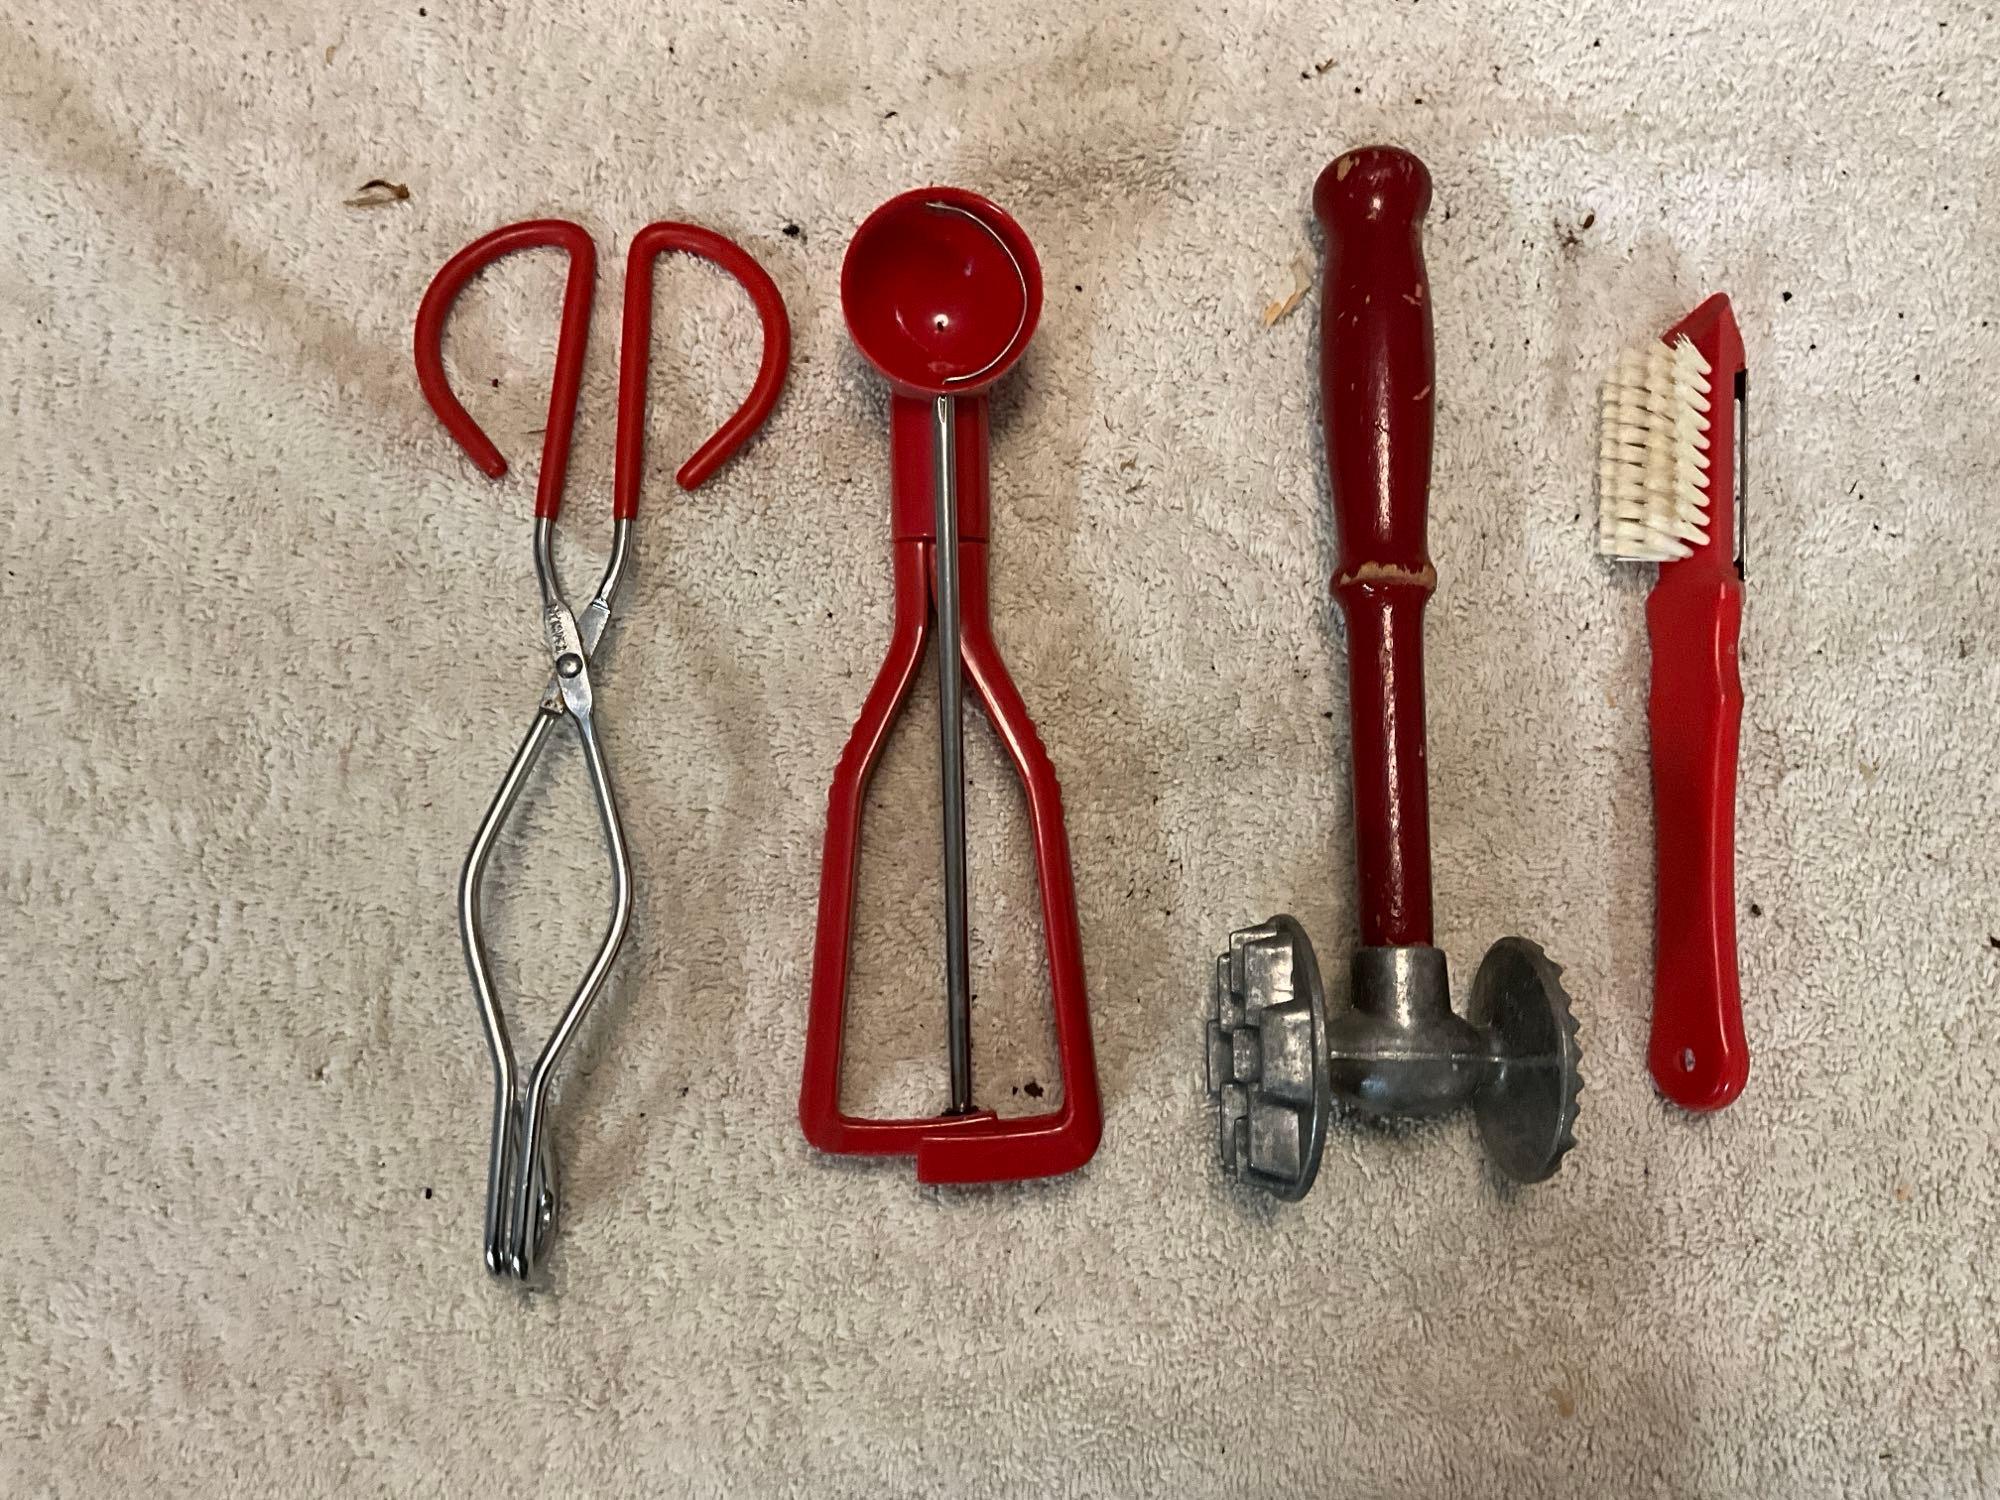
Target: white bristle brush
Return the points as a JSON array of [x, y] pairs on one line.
[[1652, 455]]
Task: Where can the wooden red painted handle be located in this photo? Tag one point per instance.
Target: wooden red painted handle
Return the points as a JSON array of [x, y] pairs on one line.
[[1376, 377]]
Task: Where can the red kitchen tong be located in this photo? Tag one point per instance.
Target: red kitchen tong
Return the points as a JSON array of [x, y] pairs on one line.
[[521, 1196]]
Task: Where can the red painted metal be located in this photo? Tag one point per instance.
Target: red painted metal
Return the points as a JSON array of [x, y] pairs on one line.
[[1698, 1055], [912, 503], [980, 1147], [1376, 391]]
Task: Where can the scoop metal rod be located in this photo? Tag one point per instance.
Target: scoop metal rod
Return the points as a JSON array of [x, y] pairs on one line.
[[951, 759]]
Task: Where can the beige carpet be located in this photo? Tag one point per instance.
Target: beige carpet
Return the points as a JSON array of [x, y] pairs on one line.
[[274, 638]]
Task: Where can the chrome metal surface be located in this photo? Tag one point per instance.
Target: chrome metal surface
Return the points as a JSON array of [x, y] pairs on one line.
[[1267, 1053], [951, 758], [1741, 479], [521, 1198], [597, 613]]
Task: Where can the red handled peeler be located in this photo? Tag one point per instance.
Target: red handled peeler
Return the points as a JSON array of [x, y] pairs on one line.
[[941, 291], [1672, 472]]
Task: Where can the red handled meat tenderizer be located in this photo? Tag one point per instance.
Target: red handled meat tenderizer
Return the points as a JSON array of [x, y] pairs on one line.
[[942, 290], [1671, 490], [1280, 1054]]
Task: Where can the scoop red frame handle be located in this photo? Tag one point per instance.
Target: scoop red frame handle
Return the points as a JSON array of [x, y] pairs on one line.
[[981, 1146], [634, 360]]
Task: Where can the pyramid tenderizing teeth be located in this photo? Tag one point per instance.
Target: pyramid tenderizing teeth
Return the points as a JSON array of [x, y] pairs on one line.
[[1652, 454]]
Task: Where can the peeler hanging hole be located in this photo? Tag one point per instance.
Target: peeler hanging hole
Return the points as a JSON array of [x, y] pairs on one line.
[[1687, 1059]]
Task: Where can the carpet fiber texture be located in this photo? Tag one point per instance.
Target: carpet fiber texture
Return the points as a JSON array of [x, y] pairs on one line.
[[278, 636]]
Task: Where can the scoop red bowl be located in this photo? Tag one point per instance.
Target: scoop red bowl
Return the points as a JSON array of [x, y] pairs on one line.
[[941, 291]]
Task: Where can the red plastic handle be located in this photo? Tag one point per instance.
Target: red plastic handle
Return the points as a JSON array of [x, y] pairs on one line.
[[1698, 1055], [636, 347], [1064, 1139], [634, 359], [571, 338], [912, 453], [1376, 378], [980, 1147]]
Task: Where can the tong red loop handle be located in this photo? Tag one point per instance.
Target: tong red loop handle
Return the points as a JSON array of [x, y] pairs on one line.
[[573, 335], [635, 351]]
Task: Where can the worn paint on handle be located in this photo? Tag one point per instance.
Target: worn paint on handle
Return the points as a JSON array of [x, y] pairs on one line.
[[1377, 390]]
